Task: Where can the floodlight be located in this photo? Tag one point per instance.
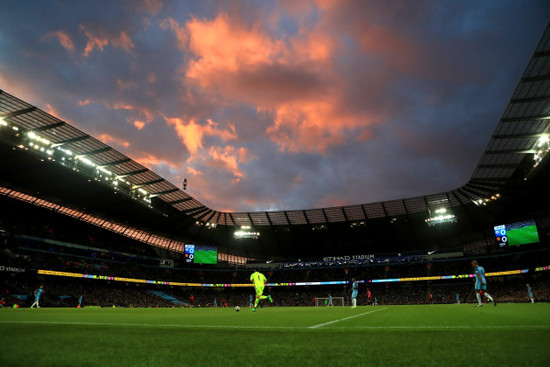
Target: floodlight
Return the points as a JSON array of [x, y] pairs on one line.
[[3, 123], [542, 140], [86, 160], [105, 171]]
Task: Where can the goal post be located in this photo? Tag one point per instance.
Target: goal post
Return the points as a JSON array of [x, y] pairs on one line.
[[323, 301]]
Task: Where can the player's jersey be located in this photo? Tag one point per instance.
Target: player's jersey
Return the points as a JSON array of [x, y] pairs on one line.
[[258, 279], [530, 292], [355, 288], [480, 273], [38, 293]]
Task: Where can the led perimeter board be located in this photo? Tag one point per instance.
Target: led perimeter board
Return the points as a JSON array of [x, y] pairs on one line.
[[515, 234]]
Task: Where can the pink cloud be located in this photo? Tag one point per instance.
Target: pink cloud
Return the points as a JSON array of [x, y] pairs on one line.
[[99, 39], [124, 42], [180, 32], [150, 160], [63, 38], [49, 109], [225, 46], [192, 134], [230, 157], [84, 102], [140, 110], [193, 171], [109, 139], [94, 41], [139, 124], [293, 80]]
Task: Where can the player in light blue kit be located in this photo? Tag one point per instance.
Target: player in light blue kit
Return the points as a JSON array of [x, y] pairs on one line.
[[329, 303], [458, 298], [355, 290], [481, 284], [37, 294], [530, 292]]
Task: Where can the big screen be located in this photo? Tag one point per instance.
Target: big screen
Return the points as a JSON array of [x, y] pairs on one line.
[[515, 234], [198, 254]]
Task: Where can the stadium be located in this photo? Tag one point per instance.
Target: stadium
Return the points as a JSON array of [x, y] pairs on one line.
[[136, 271]]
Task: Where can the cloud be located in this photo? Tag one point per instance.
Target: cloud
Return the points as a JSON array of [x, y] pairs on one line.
[[150, 160], [139, 124], [292, 80], [99, 39], [150, 6], [230, 157], [63, 38], [192, 133], [109, 139], [123, 41]]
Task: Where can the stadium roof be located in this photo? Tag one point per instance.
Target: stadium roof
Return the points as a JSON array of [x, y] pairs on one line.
[[516, 149]]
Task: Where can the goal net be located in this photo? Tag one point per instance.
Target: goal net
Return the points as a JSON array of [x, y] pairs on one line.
[[323, 301]]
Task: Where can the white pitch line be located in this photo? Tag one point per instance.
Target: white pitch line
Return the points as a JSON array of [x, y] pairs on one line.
[[84, 323], [441, 327], [345, 318], [265, 327]]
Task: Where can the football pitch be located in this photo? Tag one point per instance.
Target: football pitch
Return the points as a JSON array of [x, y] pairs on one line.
[[426, 335]]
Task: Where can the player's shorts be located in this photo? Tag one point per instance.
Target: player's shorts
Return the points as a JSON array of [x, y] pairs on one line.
[[481, 286], [354, 293], [259, 290], [530, 295]]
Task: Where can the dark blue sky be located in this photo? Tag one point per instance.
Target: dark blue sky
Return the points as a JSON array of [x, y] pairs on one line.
[[267, 105]]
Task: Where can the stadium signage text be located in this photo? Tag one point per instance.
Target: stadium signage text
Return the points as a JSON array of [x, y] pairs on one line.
[[12, 269], [347, 258]]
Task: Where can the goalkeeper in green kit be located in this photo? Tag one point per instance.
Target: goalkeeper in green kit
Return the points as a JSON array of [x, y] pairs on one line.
[[259, 283]]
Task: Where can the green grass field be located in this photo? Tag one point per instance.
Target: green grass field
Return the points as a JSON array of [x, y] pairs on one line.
[[429, 335]]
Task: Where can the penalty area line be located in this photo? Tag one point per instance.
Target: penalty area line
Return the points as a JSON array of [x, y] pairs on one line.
[[344, 319]]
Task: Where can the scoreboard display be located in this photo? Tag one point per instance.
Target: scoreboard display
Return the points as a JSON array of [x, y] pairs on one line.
[[189, 253], [197, 254], [500, 234], [515, 234]]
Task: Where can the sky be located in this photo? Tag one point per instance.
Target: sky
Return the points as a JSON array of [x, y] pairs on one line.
[[278, 105]]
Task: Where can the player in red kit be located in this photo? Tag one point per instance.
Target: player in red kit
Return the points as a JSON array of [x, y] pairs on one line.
[[369, 297]]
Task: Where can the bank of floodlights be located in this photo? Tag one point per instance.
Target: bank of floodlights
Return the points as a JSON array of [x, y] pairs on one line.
[[440, 216], [55, 152], [246, 232], [542, 147]]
